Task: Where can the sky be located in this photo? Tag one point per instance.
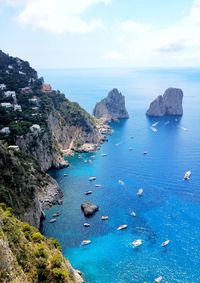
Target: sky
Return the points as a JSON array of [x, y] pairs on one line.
[[102, 33]]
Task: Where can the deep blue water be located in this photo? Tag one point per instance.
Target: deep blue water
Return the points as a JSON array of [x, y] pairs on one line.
[[170, 206]]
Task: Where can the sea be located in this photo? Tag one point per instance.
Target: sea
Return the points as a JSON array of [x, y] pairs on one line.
[[169, 208]]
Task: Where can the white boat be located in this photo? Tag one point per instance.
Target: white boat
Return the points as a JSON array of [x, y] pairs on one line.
[[92, 178], [154, 124], [86, 225], [140, 192], [165, 243], [133, 214], [154, 129], [187, 175], [88, 193], [104, 217], [53, 220], [85, 242], [137, 243], [65, 175], [103, 154], [159, 279], [145, 152], [121, 227], [121, 182], [98, 185], [56, 214]]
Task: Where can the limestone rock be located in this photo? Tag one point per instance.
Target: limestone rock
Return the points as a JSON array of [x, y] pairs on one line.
[[112, 107], [89, 209], [168, 104]]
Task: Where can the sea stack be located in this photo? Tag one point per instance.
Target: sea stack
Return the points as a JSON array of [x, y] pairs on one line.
[[168, 104], [89, 208], [112, 107]]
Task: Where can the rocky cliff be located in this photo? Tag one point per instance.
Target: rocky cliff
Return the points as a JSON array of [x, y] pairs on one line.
[[27, 256], [24, 187], [168, 104], [112, 107]]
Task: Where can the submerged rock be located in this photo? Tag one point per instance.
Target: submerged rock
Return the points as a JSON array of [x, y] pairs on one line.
[[89, 209], [112, 107], [168, 104]]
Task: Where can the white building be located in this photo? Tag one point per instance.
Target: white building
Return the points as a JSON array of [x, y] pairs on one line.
[[13, 147], [2, 86], [6, 104], [17, 107], [5, 130], [10, 93], [35, 128]]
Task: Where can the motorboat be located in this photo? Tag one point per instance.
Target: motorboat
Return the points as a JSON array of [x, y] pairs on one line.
[[133, 214], [53, 220], [65, 175], [159, 279], [104, 217], [56, 214], [145, 152], [103, 154], [154, 129], [85, 242], [187, 175], [86, 225], [137, 243], [92, 178], [130, 148], [121, 182], [165, 243], [121, 227], [154, 124], [140, 192], [88, 193], [98, 185]]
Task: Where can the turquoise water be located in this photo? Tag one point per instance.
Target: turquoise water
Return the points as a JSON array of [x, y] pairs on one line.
[[169, 208]]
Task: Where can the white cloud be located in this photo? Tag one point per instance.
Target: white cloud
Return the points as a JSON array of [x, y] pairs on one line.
[[177, 44], [132, 27], [57, 16], [114, 55]]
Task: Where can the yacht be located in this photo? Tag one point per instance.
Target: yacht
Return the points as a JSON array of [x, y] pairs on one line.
[[53, 220], [86, 225], [121, 227], [121, 182], [104, 217], [165, 243], [88, 193], [65, 175], [133, 214], [92, 178], [85, 242], [137, 243], [187, 175], [154, 129], [98, 185], [140, 192], [145, 152], [56, 214], [159, 279]]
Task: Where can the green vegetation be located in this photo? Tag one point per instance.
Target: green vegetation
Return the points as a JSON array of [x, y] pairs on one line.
[[29, 259], [19, 178]]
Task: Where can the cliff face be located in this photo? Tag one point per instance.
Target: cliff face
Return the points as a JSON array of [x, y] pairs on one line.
[[27, 256], [112, 107], [24, 187], [168, 104]]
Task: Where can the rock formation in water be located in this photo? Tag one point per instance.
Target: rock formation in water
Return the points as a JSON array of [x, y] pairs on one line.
[[168, 104], [112, 107], [89, 209]]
